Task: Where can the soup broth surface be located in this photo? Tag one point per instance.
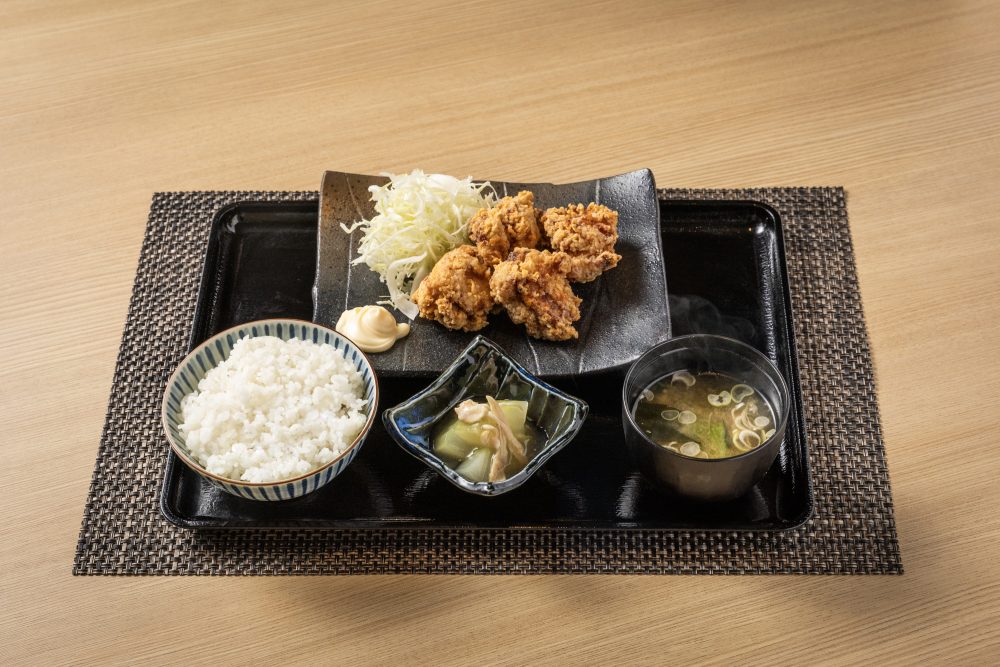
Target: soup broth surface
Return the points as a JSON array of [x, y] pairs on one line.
[[704, 415]]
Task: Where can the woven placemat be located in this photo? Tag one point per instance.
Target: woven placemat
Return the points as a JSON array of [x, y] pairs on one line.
[[851, 531]]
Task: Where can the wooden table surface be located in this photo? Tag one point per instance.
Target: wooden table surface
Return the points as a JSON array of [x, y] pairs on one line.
[[103, 103]]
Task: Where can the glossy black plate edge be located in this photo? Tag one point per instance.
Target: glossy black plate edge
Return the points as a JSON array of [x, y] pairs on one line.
[[324, 281], [791, 360]]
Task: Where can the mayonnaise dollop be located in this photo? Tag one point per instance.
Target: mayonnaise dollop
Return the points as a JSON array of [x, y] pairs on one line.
[[372, 328]]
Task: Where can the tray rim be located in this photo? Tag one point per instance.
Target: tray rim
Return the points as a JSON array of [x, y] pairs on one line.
[[795, 386], [404, 523]]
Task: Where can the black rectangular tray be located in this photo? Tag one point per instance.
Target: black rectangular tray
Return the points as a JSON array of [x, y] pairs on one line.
[[726, 275]]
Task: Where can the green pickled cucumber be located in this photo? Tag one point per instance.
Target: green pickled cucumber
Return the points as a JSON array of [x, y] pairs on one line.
[[515, 413], [457, 439], [476, 468]]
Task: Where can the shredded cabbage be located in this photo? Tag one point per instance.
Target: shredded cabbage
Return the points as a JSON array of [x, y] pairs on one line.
[[419, 217]]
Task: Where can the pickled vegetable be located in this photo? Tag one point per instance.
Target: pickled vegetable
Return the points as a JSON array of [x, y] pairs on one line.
[[495, 431], [456, 442], [476, 467]]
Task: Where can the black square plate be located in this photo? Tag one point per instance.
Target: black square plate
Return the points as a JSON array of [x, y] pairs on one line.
[[636, 290], [725, 265]]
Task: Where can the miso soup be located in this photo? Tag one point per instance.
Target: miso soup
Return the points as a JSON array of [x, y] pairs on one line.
[[704, 415]]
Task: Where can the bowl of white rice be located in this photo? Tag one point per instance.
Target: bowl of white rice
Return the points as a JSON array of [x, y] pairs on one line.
[[270, 410]]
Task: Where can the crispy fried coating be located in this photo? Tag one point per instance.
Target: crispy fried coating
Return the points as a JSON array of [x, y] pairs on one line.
[[533, 286], [456, 292], [511, 223], [543, 242], [488, 233], [518, 216], [587, 234]]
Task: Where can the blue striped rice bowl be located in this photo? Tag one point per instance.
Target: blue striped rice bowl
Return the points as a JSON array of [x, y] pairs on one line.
[[210, 353]]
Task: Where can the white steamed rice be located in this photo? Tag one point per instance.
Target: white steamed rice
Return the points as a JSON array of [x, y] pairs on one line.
[[274, 410]]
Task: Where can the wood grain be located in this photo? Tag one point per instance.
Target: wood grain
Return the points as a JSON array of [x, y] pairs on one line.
[[102, 103]]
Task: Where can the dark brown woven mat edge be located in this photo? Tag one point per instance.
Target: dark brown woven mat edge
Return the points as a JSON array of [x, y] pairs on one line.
[[135, 539]]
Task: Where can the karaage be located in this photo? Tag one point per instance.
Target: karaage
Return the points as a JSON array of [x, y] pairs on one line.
[[511, 223], [456, 292], [533, 286], [587, 234]]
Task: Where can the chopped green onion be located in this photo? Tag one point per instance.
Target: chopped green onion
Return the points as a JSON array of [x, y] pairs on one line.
[[687, 417], [747, 440], [683, 377], [690, 448], [720, 400]]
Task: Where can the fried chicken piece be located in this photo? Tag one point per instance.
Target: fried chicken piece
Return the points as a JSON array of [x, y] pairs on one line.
[[587, 235], [488, 233], [456, 292], [511, 223], [543, 243], [533, 286], [518, 216]]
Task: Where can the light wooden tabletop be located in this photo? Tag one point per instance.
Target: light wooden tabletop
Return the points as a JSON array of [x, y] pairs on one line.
[[102, 103]]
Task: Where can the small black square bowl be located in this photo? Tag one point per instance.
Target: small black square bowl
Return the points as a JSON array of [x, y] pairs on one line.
[[484, 368]]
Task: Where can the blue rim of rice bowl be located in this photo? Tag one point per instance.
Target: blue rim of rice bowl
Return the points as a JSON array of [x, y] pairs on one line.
[[372, 405]]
